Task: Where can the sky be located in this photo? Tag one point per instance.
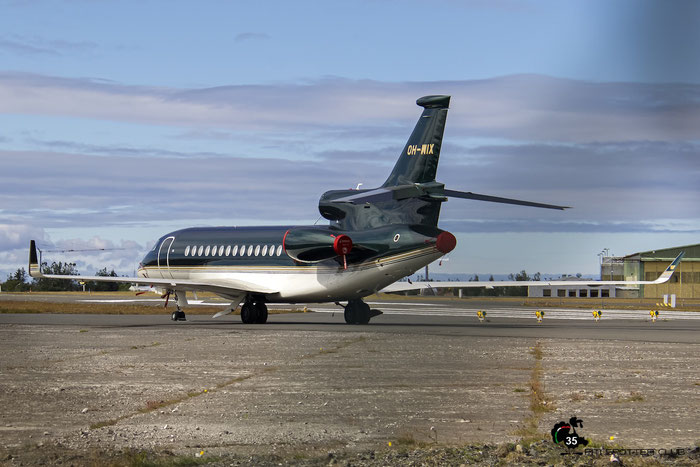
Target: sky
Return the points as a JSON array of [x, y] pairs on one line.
[[122, 121]]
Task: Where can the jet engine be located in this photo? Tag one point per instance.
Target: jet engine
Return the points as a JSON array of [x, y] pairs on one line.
[[308, 245], [316, 244]]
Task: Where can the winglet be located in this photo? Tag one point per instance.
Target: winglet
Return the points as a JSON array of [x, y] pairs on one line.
[[34, 266], [666, 275]]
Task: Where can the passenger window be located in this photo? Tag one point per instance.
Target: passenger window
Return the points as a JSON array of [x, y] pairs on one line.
[[250, 250], [243, 250], [272, 250], [279, 250], [264, 250], [221, 250], [187, 250], [206, 252], [257, 250], [234, 252], [228, 250], [201, 248]]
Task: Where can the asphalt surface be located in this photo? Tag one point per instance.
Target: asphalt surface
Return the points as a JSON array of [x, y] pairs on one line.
[[424, 371]]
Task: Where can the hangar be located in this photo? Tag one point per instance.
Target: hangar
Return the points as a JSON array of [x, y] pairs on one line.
[[647, 265]]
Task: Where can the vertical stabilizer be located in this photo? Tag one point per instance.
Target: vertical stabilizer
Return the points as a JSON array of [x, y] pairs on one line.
[[419, 160]]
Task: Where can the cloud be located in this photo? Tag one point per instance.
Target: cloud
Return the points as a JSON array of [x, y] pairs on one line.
[[37, 46], [522, 107], [14, 236], [251, 36]]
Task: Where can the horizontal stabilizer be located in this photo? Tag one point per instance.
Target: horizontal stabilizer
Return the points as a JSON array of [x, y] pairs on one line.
[[433, 190], [496, 199]]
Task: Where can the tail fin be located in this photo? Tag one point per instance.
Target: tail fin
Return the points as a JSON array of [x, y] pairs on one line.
[[34, 266], [419, 160]]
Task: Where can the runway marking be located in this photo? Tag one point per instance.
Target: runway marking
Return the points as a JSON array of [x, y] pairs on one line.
[[552, 313], [156, 300], [399, 308]]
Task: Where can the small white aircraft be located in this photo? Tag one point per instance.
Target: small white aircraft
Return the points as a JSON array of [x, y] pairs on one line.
[[374, 238]]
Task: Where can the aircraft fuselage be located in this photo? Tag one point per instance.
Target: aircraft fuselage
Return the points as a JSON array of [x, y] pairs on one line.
[[258, 255]]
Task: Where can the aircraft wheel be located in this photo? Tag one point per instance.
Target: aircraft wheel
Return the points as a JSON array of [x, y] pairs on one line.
[[178, 315], [357, 312], [349, 314], [247, 313], [260, 313], [363, 314]]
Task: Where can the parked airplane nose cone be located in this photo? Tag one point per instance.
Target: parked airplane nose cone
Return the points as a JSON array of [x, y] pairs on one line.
[[446, 242]]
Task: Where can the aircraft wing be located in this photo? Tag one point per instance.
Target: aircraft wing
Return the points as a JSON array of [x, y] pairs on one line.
[[403, 286], [228, 288]]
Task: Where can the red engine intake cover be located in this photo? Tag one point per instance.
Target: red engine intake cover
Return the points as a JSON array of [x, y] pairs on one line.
[[446, 242], [342, 245]]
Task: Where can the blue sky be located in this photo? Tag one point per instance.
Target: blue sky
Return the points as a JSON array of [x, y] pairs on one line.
[[120, 121]]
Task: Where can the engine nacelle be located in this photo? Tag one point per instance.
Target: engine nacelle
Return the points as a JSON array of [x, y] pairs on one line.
[[309, 245], [316, 244]]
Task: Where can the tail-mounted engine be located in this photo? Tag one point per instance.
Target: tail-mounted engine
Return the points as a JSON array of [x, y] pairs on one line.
[[316, 244]]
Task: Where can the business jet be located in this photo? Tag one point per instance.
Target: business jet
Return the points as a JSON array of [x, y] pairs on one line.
[[374, 237]]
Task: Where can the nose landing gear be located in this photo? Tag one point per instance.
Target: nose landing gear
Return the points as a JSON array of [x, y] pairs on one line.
[[178, 314]]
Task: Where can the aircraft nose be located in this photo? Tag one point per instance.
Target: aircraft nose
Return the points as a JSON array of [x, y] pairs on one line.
[[446, 242]]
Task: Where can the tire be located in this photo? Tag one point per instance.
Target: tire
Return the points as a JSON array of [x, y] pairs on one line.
[[357, 312], [349, 315], [261, 314], [247, 313]]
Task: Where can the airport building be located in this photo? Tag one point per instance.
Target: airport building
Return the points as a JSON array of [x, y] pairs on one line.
[[575, 290], [645, 266]]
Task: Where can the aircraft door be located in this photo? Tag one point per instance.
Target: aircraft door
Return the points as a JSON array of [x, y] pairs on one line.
[[164, 258]]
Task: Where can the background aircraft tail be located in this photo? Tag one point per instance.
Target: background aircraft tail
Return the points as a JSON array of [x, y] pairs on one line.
[[419, 160]]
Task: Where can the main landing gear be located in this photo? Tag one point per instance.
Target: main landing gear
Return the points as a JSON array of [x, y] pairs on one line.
[[358, 312], [254, 312]]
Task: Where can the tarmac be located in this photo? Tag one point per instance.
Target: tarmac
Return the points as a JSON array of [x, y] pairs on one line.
[[424, 372]]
